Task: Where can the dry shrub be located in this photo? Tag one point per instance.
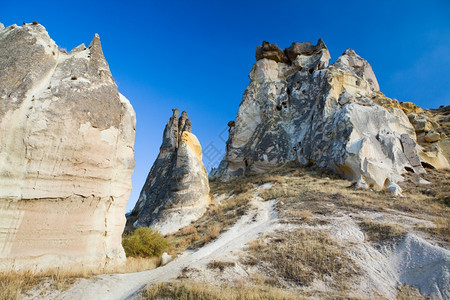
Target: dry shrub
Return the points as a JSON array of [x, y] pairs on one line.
[[188, 230], [212, 232], [256, 245], [382, 232], [305, 214], [144, 242], [188, 290], [303, 255]]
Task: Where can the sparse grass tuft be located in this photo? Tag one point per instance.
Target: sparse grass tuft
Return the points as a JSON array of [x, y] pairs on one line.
[[381, 232], [406, 292], [441, 231], [144, 242], [221, 265], [212, 232], [188, 290]]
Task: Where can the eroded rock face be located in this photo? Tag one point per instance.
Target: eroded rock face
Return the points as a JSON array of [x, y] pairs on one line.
[[176, 191], [328, 115], [66, 153]]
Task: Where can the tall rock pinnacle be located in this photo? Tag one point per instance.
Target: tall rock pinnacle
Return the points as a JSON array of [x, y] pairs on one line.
[[66, 154], [176, 191]]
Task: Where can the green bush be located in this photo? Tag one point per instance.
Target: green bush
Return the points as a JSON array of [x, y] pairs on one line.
[[144, 242]]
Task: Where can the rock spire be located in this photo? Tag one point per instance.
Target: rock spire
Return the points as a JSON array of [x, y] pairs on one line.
[[176, 191]]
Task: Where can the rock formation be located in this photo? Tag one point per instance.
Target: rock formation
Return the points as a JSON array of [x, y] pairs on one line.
[[176, 191], [66, 153], [297, 107]]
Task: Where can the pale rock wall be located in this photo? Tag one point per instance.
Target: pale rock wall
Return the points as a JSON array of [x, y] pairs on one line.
[[176, 191], [300, 108], [66, 153]]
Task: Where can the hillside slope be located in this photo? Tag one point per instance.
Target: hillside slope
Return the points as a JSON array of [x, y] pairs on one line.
[[302, 233]]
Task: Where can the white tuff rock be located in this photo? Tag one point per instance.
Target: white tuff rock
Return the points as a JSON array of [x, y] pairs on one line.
[[176, 191], [299, 108], [66, 154]]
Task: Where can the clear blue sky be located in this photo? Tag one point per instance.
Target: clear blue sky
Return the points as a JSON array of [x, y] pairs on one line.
[[196, 55]]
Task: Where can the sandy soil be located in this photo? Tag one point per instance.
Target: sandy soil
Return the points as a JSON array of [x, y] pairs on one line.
[[261, 218]]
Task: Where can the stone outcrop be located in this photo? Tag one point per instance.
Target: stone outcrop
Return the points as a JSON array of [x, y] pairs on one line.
[[432, 129], [332, 116], [66, 154], [176, 191]]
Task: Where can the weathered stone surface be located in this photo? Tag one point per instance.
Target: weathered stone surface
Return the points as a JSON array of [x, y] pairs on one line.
[[432, 127], [432, 137], [330, 116], [270, 51], [66, 153], [394, 189], [166, 258], [305, 48], [361, 68], [176, 191]]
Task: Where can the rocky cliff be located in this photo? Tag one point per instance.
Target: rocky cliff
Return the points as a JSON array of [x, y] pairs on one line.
[[298, 107], [66, 153], [176, 191]]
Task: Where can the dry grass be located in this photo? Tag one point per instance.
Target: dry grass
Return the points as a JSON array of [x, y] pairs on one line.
[[406, 292], [221, 265], [441, 231], [188, 290], [382, 232], [14, 284], [303, 255]]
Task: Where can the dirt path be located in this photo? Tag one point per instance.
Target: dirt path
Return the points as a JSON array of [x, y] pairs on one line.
[[260, 218]]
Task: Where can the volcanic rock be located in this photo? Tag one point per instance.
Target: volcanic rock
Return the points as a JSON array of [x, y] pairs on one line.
[[66, 154], [176, 191], [330, 116]]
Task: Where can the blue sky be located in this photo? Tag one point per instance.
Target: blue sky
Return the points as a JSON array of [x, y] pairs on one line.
[[196, 55]]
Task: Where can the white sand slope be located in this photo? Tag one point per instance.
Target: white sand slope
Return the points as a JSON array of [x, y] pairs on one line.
[[261, 218]]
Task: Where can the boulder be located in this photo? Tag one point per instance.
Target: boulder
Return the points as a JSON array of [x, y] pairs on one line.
[[432, 127], [432, 137], [166, 258], [305, 48], [176, 191], [66, 154], [394, 189], [331, 116], [271, 51]]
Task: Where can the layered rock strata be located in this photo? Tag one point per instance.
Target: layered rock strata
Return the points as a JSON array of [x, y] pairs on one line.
[[66, 154], [176, 191], [299, 108]]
